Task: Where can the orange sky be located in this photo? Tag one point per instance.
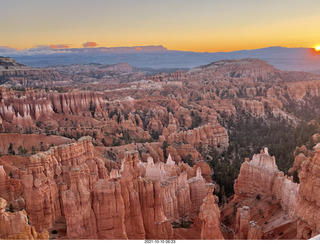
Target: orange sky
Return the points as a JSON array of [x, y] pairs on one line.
[[203, 25]]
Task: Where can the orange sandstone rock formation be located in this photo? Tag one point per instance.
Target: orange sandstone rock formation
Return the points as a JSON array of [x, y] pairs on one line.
[[265, 196], [212, 135], [255, 232], [14, 226], [11, 190], [308, 206], [210, 215], [68, 184], [242, 223], [246, 229], [261, 176]]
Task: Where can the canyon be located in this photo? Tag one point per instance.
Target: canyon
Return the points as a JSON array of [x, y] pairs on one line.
[[113, 152], [69, 188], [71, 193]]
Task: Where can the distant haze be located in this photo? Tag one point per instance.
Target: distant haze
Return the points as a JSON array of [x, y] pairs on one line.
[[157, 57]]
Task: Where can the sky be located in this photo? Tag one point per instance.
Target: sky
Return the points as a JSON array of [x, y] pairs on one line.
[[187, 25]]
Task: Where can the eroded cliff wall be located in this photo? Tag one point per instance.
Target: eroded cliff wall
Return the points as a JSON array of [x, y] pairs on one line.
[[308, 204], [140, 201]]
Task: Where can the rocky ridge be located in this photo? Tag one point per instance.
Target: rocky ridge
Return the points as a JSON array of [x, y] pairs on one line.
[[15, 74], [308, 202], [264, 178], [260, 183], [14, 226], [139, 201], [265, 201]]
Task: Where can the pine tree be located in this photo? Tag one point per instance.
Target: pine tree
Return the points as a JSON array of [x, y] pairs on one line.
[[11, 208], [10, 149], [104, 142]]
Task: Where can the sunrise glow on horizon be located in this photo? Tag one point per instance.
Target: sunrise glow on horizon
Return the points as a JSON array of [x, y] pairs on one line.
[[202, 26]]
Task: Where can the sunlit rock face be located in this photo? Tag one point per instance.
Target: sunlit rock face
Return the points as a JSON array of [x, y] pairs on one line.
[[25, 107], [141, 200]]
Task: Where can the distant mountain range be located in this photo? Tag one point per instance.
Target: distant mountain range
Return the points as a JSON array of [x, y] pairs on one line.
[[157, 57]]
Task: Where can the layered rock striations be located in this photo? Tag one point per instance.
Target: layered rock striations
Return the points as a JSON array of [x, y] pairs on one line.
[[76, 113], [57, 183], [245, 70], [209, 216], [207, 135], [31, 104], [32, 109], [181, 197], [248, 86], [265, 202], [308, 204], [15, 226], [13, 73], [246, 229], [261, 176], [68, 184], [180, 115], [11, 189]]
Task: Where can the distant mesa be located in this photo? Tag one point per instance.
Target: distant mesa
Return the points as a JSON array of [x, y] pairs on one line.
[[9, 63], [247, 69], [158, 56], [14, 73]]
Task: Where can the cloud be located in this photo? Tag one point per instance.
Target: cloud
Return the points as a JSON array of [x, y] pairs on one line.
[[89, 44], [44, 49], [59, 46]]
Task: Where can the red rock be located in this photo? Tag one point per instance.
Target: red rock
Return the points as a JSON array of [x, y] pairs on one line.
[[13, 73], [298, 160], [205, 171], [210, 215], [261, 176], [242, 223], [308, 206], [27, 108], [109, 208], [254, 232], [11, 190], [14, 226], [68, 182], [156, 224], [198, 191], [130, 186], [245, 228], [212, 135], [271, 197]]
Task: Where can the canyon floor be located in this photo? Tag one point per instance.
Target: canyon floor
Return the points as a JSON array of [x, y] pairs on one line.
[[228, 150]]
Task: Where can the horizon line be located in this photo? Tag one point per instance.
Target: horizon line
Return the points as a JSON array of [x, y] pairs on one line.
[[137, 47]]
